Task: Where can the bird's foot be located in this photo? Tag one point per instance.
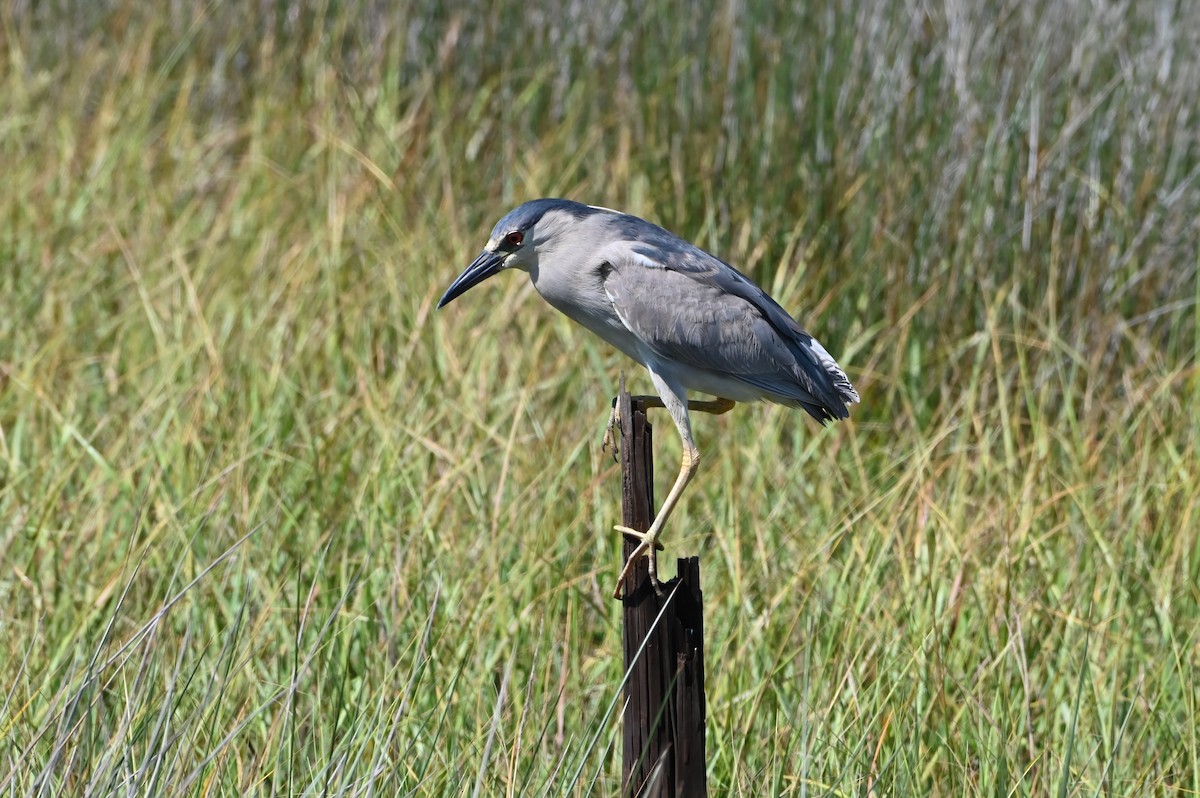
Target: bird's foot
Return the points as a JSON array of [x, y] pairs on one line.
[[649, 548], [612, 433]]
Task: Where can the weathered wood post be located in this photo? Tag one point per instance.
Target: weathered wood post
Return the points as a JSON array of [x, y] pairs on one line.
[[663, 751]]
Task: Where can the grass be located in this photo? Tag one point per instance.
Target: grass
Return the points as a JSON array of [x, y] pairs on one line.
[[270, 525]]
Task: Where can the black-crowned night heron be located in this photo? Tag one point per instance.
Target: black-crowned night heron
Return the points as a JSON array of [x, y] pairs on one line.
[[692, 320]]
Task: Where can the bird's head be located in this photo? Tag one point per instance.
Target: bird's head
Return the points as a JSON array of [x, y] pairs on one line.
[[517, 239]]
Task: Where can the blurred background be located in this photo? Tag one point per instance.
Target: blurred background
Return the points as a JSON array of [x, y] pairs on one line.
[[270, 525]]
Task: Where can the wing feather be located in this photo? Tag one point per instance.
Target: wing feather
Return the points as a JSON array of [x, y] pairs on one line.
[[689, 306]]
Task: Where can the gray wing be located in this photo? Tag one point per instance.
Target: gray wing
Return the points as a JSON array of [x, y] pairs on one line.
[[688, 306]]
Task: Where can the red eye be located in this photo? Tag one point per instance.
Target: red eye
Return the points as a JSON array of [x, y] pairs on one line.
[[515, 238]]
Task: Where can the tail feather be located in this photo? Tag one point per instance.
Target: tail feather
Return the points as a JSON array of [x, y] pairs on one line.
[[833, 391]]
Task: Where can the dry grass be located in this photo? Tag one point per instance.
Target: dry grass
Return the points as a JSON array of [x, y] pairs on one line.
[[269, 525]]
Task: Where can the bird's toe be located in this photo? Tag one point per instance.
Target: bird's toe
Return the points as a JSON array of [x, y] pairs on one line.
[[644, 537]]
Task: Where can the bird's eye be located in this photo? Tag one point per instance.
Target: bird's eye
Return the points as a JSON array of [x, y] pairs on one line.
[[514, 238]]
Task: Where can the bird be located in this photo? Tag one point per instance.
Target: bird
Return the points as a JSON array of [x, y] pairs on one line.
[[693, 321]]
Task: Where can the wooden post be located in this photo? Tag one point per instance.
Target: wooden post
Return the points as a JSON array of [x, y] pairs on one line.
[[663, 751]]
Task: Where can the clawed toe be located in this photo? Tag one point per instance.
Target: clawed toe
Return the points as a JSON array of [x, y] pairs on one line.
[[644, 537], [648, 547], [612, 433]]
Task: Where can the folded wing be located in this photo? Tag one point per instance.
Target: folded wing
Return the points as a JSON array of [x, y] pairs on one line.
[[700, 311]]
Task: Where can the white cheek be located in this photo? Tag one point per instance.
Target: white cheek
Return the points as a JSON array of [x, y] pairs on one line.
[[524, 258]]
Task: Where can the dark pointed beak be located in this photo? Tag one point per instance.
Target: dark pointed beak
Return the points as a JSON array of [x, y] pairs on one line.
[[483, 267]]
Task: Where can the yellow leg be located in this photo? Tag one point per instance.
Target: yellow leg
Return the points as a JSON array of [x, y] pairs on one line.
[[715, 407], [673, 396], [649, 539]]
